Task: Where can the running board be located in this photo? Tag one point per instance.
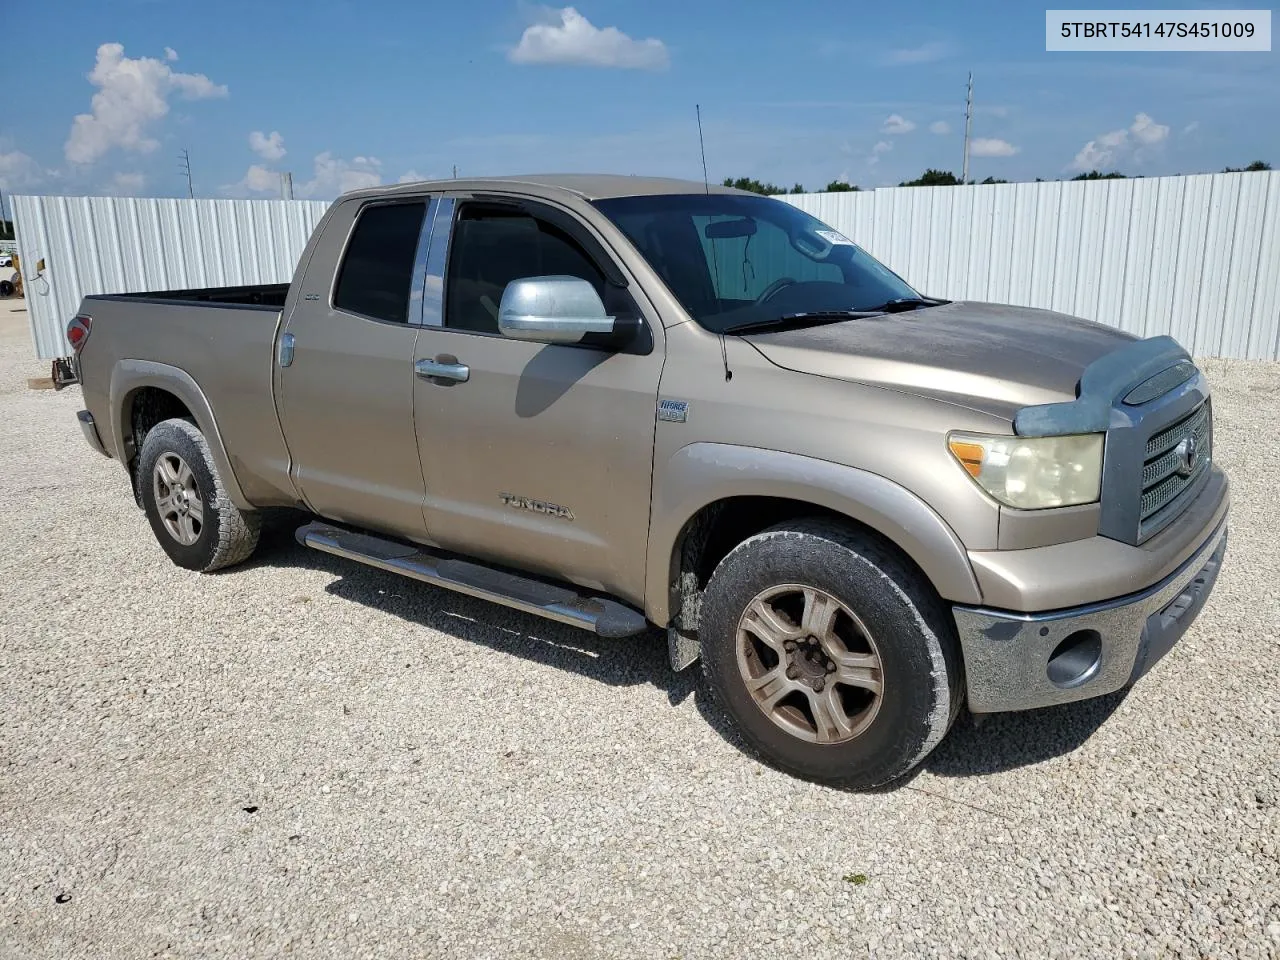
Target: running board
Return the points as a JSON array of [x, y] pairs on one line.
[[603, 617]]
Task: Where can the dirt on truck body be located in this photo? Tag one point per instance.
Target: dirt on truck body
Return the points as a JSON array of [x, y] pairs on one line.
[[620, 402]]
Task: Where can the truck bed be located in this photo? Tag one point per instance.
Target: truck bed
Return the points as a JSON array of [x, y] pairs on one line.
[[270, 296]]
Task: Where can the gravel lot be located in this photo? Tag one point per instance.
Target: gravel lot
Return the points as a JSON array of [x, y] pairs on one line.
[[304, 756]]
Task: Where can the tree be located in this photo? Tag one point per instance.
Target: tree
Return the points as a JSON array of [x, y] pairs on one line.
[[755, 186], [991, 180], [798, 188], [1258, 166], [839, 186], [932, 178], [1095, 175]]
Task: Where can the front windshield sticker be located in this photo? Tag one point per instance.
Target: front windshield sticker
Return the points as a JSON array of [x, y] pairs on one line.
[[835, 238]]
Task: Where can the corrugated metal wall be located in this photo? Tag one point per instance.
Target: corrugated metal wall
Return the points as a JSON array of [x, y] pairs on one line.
[[1196, 257], [127, 245]]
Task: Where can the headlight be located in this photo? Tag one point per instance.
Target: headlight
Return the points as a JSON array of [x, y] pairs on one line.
[[1033, 473]]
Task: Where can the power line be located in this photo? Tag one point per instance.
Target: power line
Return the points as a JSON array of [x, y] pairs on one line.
[[968, 124], [185, 170]]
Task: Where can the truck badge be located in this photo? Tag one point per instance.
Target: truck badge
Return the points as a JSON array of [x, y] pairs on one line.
[[676, 411], [536, 506]]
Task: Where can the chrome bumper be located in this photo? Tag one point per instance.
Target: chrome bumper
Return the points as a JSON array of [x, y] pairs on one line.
[[1019, 661], [90, 431]]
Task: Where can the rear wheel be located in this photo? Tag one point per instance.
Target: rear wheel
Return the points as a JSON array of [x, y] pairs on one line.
[[835, 660], [190, 514]]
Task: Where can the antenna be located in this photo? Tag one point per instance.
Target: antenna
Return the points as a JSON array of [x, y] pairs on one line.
[[968, 125], [186, 172], [701, 146], [715, 258]]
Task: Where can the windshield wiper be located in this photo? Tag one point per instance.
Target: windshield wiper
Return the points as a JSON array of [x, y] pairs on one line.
[[798, 319], [900, 304]]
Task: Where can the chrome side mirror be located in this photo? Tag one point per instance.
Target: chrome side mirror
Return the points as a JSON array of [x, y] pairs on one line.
[[552, 310]]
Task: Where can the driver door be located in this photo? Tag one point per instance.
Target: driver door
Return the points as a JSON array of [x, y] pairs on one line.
[[539, 456]]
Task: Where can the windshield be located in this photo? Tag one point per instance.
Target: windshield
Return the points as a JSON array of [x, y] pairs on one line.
[[736, 261]]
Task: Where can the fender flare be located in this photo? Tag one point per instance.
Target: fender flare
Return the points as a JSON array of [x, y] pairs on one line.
[[129, 376], [703, 473]]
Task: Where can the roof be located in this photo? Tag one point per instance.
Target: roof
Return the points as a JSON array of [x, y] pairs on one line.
[[589, 186]]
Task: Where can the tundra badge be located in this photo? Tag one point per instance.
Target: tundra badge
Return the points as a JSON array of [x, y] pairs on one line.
[[537, 506]]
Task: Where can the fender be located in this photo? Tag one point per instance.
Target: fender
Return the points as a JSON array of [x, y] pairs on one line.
[[131, 375], [702, 473]]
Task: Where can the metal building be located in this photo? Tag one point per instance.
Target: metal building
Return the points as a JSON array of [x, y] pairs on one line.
[[126, 245]]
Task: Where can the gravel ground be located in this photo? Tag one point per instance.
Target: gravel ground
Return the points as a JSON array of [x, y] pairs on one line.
[[304, 756]]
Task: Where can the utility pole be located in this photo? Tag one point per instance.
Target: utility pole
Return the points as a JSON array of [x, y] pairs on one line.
[[286, 186], [455, 171], [186, 171], [968, 125]]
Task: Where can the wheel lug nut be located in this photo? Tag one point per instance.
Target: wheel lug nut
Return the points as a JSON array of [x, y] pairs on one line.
[[792, 672], [789, 646]]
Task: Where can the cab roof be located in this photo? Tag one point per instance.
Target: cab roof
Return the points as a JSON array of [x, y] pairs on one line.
[[588, 186]]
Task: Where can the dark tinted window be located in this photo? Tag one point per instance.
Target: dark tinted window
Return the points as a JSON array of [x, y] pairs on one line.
[[376, 271], [733, 260], [492, 247]]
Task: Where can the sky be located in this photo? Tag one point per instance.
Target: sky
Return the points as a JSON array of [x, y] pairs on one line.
[[105, 94]]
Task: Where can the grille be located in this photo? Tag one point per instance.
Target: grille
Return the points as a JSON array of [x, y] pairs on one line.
[[1163, 478]]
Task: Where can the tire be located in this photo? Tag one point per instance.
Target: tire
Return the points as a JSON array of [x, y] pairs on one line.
[[198, 527], [887, 627]]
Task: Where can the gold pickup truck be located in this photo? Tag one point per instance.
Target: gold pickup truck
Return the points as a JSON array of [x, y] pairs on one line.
[[621, 402]]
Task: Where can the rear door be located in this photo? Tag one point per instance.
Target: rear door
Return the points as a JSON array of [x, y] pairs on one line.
[[535, 455], [346, 392]]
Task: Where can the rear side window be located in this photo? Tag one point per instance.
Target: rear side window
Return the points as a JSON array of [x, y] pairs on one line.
[[378, 266]]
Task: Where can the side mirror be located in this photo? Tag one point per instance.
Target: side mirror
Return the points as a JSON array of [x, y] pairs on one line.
[[552, 310]]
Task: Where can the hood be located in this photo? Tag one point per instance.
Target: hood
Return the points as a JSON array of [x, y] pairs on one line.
[[990, 357]]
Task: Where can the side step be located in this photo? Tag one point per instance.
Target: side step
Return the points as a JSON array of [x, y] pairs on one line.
[[602, 616]]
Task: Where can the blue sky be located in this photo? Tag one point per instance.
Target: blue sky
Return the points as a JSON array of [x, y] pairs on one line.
[[344, 94]]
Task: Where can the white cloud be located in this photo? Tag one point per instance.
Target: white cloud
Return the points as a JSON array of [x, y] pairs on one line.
[[127, 184], [132, 94], [170, 54], [896, 124], [925, 53], [412, 176], [940, 127], [333, 176], [989, 147], [1107, 148], [883, 146], [1191, 128], [575, 40], [267, 146], [1147, 131], [17, 171], [257, 179]]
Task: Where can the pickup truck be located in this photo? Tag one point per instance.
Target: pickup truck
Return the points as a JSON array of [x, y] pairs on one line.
[[627, 403]]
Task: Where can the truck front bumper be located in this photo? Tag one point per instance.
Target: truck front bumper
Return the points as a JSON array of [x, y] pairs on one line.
[[1019, 661]]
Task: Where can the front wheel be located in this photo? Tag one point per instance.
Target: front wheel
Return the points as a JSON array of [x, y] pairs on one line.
[[834, 659], [190, 514]]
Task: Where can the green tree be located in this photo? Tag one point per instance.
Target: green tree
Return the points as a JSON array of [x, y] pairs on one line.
[[991, 180], [798, 188], [932, 178], [839, 186], [1095, 175], [1258, 166], [755, 186]]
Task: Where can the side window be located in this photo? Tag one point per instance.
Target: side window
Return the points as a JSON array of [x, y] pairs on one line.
[[378, 266], [493, 246], [733, 261]]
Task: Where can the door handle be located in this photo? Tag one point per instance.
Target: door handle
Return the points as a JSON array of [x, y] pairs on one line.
[[285, 350], [442, 368]]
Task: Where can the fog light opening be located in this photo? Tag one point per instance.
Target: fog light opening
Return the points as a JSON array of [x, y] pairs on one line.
[[1076, 659]]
